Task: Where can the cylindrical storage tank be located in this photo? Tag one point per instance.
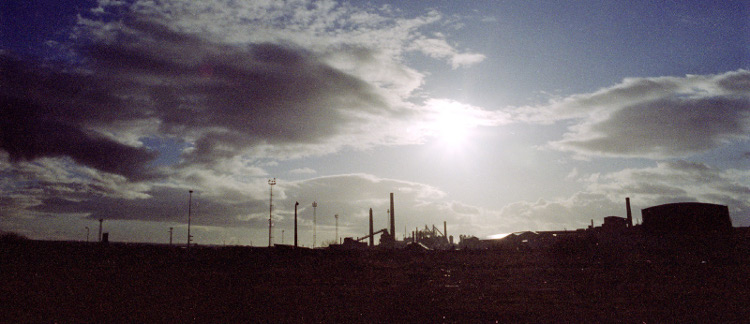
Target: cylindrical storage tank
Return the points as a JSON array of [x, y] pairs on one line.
[[687, 218]]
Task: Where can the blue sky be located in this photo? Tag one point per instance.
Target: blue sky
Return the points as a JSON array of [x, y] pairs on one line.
[[495, 116]]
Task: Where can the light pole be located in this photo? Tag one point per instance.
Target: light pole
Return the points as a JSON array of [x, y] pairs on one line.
[[270, 213], [295, 223], [315, 206], [87, 233], [190, 204]]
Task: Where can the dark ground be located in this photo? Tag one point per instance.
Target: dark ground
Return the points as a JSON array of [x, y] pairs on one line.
[[76, 282]]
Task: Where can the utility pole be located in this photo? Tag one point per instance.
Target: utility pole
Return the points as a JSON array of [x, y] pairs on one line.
[[190, 204], [271, 183], [296, 203], [315, 206], [393, 219]]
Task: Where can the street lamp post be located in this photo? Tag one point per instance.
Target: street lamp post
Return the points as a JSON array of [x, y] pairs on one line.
[[190, 203], [295, 223], [270, 213], [315, 206]]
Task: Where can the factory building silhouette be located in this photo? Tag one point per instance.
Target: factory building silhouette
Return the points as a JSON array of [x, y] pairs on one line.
[[684, 225]]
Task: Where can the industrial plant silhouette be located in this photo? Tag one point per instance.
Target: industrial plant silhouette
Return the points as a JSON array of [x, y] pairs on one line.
[[684, 263]]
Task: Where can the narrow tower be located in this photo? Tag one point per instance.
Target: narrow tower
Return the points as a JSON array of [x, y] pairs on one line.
[[445, 230], [630, 214]]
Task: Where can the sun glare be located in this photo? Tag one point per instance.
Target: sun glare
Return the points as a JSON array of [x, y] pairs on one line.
[[452, 129], [451, 124]]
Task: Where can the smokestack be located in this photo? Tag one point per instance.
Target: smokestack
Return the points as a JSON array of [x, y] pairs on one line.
[[295, 223], [372, 240], [445, 230], [630, 214], [393, 219], [100, 229]]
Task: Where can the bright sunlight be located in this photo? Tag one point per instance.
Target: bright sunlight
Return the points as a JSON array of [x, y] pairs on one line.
[[452, 123]]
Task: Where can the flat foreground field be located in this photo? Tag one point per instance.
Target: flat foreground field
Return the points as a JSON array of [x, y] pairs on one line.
[[76, 282]]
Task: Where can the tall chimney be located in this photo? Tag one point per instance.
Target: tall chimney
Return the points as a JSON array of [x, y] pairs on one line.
[[393, 220], [445, 230], [372, 240], [630, 214], [100, 229]]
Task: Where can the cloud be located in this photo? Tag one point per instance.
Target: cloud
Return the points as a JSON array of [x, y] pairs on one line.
[[225, 202], [604, 195], [39, 119], [652, 117], [570, 213], [439, 48], [228, 79], [302, 171], [679, 180], [151, 100]]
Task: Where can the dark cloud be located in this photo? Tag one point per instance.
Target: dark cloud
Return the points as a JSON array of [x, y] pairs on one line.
[[671, 127], [234, 95], [659, 118], [37, 120], [225, 99]]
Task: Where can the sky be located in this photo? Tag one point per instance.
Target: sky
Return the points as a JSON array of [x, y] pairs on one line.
[[491, 116]]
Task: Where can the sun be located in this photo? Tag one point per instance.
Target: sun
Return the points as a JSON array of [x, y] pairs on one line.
[[450, 123], [452, 129]]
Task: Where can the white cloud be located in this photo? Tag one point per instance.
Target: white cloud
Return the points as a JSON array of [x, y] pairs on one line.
[[302, 171], [439, 48]]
